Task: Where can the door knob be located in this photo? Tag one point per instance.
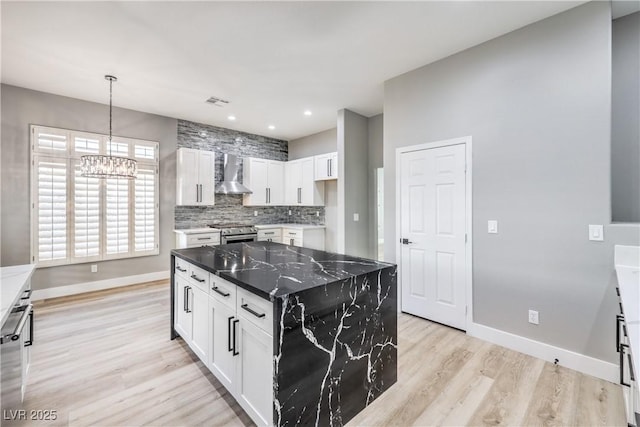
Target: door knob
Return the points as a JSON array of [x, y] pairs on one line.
[[405, 241]]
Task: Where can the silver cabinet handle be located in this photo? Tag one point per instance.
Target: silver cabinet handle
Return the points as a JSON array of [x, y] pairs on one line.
[[204, 238], [328, 165], [197, 193], [189, 302], [330, 168], [266, 195], [184, 270]]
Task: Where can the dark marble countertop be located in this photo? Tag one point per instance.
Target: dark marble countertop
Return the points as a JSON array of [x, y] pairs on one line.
[[273, 270]]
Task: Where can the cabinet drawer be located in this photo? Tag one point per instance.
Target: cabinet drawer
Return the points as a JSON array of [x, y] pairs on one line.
[[199, 277], [223, 291], [275, 234], [256, 310], [182, 267], [202, 239], [289, 233]]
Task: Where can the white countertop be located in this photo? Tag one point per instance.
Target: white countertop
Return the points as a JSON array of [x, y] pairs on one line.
[[197, 230], [297, 226], [627, 263], [12, 280]]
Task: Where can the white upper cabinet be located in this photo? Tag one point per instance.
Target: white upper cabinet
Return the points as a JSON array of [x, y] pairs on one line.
[[266, 179], [326, 166], [301, 188], [195, 177]]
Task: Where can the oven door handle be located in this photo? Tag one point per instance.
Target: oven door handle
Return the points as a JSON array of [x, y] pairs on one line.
[[26, 313]]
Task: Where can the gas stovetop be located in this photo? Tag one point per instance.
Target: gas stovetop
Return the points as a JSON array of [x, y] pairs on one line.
[[233, 229]]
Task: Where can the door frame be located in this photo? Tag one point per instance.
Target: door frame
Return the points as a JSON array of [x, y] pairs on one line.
[[466, 141]]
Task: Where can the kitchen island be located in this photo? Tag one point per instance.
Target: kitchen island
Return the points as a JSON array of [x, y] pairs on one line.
[[298, 336]]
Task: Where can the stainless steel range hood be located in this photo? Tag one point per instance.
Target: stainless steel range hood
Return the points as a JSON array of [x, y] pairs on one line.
[[230, 184]]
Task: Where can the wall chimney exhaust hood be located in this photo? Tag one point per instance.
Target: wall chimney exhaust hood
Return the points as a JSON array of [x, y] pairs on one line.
[[230, 184]]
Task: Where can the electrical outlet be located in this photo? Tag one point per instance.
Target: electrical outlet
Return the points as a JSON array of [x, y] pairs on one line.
[[356, 217], [94, 268], [492, 226], [289, 212], [533, 317], [317, 213], [255, 213]]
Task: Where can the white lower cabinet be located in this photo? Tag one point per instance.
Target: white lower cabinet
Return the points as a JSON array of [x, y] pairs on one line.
[[221, 358], [254, 371], [183, 315], [231, 331], [200, 328]]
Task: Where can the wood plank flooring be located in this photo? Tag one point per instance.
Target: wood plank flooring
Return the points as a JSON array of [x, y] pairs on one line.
[[105, 359]]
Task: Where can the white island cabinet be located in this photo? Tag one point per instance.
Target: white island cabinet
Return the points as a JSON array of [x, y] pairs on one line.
[[231, 331]]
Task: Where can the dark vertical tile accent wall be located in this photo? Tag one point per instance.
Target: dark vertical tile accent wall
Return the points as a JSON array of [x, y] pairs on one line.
[[228, 207]]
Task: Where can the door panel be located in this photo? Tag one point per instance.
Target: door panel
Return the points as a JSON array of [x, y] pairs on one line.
[[255, 372], [433, 221], [275, 178], [187, 180], [200, 328], [206, 176], [221, 361]]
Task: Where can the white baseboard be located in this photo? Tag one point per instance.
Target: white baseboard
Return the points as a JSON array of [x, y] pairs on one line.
[[79, 288], [576, 361]]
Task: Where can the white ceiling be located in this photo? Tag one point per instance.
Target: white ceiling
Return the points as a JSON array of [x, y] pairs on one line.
[[272, 60]]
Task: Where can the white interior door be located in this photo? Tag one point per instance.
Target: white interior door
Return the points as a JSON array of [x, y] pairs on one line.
[[433, 217]]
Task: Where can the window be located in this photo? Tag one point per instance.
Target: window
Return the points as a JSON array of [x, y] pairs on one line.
[[77, 219]]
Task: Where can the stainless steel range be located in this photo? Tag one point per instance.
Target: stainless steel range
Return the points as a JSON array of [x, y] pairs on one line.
[[235, 233]]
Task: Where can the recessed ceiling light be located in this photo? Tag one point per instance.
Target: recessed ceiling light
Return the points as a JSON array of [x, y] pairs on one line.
[[232, 118], [272, 127], [307, 113]]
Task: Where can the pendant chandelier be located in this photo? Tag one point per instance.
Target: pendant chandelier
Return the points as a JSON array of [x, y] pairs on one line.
[[101, 166]]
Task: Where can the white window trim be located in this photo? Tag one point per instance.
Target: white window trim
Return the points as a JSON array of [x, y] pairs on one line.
[[70, 157]]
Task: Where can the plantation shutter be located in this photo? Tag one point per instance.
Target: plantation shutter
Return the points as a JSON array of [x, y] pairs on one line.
[[117, 216], [77, 219], [51, 208], [86, 209], [145, 209]]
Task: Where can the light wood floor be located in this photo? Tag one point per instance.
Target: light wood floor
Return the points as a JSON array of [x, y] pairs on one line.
[[105, 358]]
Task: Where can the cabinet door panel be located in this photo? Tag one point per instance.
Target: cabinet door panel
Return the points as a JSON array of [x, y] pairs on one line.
[[255, 372], [183, 317], [255, 177], [186, 179], [206, 177], [333, 165], [221, 361], [275, 178], [292, 182], [200, 334]]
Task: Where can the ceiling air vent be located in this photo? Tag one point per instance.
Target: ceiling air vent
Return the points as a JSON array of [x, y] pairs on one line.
[[218, 102]]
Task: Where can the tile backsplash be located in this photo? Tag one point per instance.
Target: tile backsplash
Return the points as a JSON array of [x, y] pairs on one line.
[[228, 207]]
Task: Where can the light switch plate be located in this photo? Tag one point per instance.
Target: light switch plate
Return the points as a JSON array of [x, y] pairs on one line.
[[356, 217], [596, 232], [492, 226]]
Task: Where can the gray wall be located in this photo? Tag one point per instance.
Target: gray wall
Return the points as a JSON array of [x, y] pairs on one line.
[[625, 119], [353, 184], [375, 160], [537, 103], [312, 145], [22, 107]]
